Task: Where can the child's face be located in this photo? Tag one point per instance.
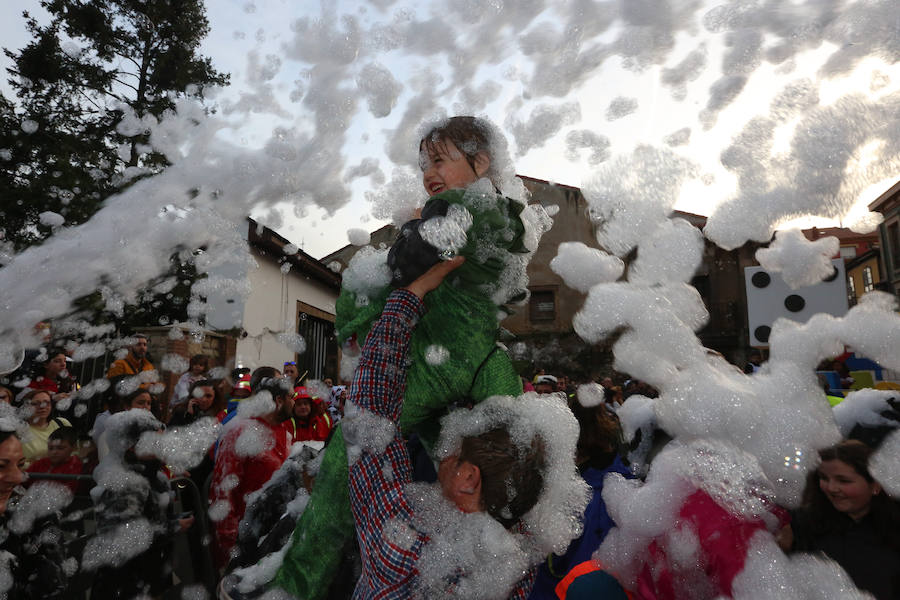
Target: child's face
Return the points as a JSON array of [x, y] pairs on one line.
[[142, 401], [444, 168], [59, 451]]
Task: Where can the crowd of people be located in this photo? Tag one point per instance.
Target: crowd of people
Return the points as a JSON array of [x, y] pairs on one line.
[[57, 438]]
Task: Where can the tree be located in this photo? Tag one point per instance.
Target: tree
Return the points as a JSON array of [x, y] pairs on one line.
[[65, 142]]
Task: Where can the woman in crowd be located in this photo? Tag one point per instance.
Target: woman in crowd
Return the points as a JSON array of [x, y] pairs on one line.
[[53, 376], [6, 395], [38, 407], [847, 516], [35, 559], [202, 400]]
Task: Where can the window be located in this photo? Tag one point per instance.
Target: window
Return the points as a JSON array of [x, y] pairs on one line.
[[868, 284], [542, 306], [317, 330], [851, 291], [848, 252]]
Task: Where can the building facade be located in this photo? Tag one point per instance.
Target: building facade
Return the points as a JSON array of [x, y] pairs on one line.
[[292, 297], [888, 204]]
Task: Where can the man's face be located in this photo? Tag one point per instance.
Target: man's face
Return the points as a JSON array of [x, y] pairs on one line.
[[139, 349], [544, 388], [204, 396], [286, 408], [328, 382], [59, 451], [290, 371]]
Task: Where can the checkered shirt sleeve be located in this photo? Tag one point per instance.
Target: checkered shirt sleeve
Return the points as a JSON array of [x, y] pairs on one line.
[[390, 548]]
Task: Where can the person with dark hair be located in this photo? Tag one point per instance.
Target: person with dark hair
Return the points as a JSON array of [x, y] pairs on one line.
[[53, 376], [60, 458], [34, 557], [599, 452], [135, 362], [847, 516], [12, 466], [250, 451], [201, 402], [38, 407], [197, 369]]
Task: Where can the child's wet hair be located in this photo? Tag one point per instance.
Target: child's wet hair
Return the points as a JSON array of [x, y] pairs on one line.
[[470, 135]]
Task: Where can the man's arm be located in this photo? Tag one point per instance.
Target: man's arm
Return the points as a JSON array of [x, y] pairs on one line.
[[381, 375], [380, 469]]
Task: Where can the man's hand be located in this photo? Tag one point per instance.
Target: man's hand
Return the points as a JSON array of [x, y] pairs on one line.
[[433, 277]]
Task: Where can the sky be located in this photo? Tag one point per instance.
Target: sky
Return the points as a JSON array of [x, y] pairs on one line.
[[572, 85]]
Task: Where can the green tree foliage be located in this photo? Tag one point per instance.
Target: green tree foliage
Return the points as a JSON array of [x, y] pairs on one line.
[[73, 135]]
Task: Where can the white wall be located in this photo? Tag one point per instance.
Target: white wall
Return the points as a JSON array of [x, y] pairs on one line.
[[271, 308]]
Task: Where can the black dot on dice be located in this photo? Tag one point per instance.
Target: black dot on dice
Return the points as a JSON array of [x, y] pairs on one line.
[[762, 333], [834, 274], [761, 279], [794, 303]]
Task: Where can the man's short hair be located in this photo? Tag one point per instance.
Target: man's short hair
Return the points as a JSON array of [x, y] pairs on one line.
[[65, 434], [511, 477], [277, 386], [261, 373]]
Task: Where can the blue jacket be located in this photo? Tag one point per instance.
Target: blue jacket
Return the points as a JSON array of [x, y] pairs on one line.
[[597, 524]]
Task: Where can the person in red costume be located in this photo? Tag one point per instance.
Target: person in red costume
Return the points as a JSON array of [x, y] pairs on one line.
[[309, 421], [60, 459], [253, 447]]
